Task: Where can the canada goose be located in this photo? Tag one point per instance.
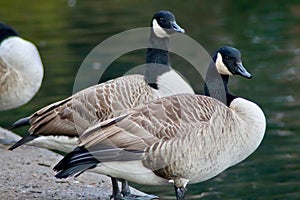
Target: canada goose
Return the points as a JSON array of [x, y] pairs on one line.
[[179, 139], [58, 125], [21, 69]]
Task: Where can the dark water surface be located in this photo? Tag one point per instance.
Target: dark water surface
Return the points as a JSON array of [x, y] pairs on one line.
[[267, 33]]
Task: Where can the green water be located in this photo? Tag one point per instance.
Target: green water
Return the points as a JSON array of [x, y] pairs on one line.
[[266, 32]]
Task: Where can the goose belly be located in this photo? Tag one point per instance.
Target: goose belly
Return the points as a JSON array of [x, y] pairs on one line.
[[131, 171]]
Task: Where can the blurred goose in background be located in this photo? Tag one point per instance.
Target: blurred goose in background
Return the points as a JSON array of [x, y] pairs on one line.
[[179, 139], [57, 126], [21, 69]]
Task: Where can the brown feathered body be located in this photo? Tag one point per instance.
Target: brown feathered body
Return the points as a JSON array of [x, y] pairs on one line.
[[180, 139]]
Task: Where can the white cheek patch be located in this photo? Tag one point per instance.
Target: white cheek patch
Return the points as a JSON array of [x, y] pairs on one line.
[[158, 30], [222, 69]]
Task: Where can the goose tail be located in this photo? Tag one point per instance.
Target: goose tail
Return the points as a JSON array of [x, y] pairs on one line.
[[75, 163]]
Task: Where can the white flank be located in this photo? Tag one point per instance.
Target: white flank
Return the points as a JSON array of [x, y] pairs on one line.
[[60, 143], [131, 171]]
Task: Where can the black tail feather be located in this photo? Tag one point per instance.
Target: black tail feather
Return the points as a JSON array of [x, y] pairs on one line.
[[22, 141], [20, 123], [75, 163]]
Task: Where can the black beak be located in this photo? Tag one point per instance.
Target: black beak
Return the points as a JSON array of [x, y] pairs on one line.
[[242, 71], [175, 27]]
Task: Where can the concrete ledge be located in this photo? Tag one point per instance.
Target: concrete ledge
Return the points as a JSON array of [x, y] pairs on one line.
[[26, 173]]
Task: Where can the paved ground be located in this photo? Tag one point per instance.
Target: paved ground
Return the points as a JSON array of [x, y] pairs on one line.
[[26, 173]]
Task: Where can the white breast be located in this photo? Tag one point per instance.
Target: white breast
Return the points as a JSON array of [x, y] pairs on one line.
[[230, 139], [171, 83], [254, 124]]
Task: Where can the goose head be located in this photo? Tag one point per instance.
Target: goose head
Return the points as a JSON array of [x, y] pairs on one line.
[[158, 73], [228, 62], [164, 24]]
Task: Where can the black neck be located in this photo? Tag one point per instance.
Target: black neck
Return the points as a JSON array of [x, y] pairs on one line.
[[6, 33], [157, 59], [216, 85]]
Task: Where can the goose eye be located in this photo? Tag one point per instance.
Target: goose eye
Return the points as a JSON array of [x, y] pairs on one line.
[[226, 57], [161, 19]]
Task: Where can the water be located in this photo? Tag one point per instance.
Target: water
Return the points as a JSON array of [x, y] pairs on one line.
[[266, 33]]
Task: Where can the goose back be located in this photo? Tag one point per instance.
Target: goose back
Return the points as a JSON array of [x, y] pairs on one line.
[[92, 105]]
